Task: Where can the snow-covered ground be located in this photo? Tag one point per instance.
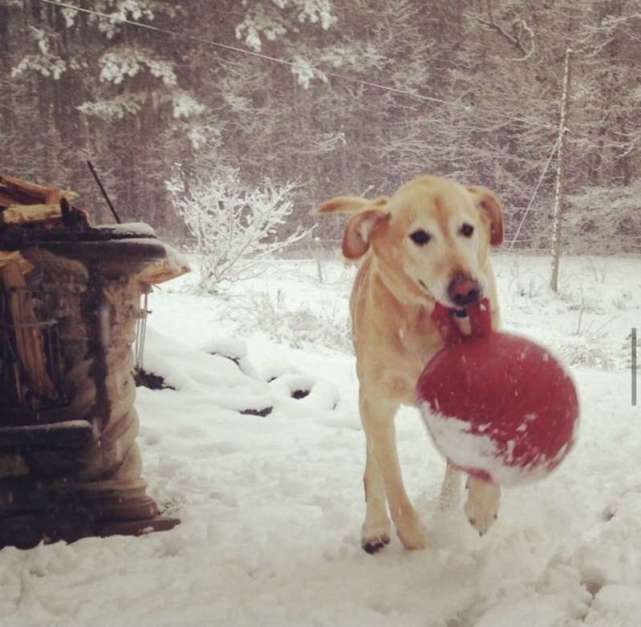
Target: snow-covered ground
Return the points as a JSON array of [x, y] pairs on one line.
[[271, 507]]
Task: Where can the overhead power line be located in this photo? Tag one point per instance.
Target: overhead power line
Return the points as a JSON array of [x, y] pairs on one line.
[[237, 50]]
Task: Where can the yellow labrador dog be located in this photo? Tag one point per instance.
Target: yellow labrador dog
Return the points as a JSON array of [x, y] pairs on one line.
[[428, 242]]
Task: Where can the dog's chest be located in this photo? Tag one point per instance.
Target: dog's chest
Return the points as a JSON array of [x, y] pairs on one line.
[[417, 335]]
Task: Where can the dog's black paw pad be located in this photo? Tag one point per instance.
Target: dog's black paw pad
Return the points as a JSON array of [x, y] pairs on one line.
[[375, 545]]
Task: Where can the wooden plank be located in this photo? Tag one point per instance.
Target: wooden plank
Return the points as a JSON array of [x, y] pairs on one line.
[[164, 269], [6, 200], [46, 195], [24, 214], [7, 257], [67, 434]]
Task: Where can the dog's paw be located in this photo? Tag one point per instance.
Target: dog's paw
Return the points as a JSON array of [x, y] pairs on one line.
[[482, 505], [374, 544], [375, 534], [412, 533]]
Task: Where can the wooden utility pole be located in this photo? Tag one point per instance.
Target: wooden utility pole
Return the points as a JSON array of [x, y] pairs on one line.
[[559, 196]]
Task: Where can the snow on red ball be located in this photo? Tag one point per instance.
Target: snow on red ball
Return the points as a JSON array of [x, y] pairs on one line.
[[497, 405]]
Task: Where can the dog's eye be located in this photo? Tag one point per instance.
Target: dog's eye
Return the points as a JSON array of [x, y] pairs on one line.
[[466, 230], [420, 237]]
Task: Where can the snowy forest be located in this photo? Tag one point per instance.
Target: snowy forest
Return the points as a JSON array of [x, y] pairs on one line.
[[328, 97], [196, 452]]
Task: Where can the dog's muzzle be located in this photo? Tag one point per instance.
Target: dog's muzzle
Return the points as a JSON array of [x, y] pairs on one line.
[[463, 290]]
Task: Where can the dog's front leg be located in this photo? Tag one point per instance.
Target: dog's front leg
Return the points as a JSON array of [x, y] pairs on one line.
[[378, 421], [377, 524], [482, 503]]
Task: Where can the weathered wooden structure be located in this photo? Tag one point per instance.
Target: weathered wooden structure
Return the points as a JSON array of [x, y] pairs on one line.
[[70, 301]]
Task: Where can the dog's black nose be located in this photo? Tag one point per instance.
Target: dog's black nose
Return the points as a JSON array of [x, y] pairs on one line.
[[463, 290]]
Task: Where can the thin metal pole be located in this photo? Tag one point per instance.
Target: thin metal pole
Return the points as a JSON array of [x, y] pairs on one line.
[[633, 365], [104, 192]]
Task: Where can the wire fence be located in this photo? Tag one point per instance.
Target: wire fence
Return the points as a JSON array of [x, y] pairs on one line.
[[329, 249]]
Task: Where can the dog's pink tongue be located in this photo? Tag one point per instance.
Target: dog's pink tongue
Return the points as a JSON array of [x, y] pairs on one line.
[[480, 321]]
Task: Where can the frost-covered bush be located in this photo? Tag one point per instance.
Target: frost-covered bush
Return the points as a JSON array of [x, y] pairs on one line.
[[234, 227], [585, 352], [298, 327]]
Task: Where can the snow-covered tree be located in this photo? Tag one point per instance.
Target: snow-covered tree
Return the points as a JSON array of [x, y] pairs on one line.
[[233, 227], [136, 101]]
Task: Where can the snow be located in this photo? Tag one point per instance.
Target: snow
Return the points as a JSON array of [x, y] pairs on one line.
[[271, 507], [131, 229], [176, 260]]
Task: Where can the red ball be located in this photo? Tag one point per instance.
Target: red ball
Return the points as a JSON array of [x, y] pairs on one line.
[[499, 406]]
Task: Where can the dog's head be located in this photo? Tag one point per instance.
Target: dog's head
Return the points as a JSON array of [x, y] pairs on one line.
[[431, 238]]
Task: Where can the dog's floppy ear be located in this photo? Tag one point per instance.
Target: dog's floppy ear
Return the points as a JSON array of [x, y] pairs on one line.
[[359, 230], [491, 208], [350, 204]]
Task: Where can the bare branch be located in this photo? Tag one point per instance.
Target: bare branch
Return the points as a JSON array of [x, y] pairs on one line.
[[521, 37]]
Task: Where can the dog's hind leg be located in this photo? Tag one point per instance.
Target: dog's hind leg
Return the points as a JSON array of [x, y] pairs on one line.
[[451, 489], [378, 422]]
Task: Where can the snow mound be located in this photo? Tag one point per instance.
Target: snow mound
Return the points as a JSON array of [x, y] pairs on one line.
[[219, 373], [308, 391], [235, 350]]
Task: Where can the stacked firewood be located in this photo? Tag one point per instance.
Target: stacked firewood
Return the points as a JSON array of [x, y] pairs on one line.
[[28, 335], [29, 213], [22, 202]]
